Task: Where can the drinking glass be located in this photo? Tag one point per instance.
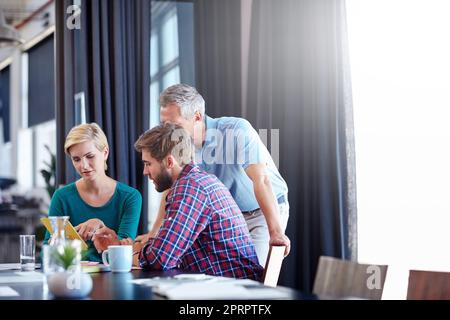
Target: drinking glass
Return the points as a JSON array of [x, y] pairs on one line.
[[27, 252]]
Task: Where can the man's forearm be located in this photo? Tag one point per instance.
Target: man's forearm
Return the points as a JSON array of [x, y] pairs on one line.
[[268, 204]]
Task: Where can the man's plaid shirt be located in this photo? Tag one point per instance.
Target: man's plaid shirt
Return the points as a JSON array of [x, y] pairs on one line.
[[203, 231]]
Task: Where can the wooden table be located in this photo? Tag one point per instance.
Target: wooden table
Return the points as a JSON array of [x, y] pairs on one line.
[[112, 286]]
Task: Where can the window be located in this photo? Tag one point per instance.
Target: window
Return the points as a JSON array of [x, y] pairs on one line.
[[171, 61], [171, 49], [38, 127], [400, 68], [164, 53]]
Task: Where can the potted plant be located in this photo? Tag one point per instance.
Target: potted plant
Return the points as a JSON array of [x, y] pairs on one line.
[[49, 175], [66, 280]]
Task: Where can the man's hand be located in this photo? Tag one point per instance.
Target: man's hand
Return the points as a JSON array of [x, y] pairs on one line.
[[143, 238], [105, 237], [126, 242], [137, 247], [280, 239], [87, 229]]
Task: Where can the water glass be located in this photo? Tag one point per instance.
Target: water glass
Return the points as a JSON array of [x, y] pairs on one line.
[[27, 252]]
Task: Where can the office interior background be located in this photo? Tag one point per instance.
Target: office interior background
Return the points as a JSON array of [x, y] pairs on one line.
[[351, 97]]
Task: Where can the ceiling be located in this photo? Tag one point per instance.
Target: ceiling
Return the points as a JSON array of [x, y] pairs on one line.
[[17, 10]]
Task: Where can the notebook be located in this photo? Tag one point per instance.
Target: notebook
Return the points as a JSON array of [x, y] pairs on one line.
[[70, 231], [94, 267]]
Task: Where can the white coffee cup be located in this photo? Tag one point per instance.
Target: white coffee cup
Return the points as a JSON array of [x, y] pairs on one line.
[[118, 258]]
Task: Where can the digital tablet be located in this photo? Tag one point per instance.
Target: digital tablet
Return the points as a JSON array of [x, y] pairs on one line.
[[70, 231]]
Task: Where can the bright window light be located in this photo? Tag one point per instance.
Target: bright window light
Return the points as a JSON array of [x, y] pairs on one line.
[[400, 64]]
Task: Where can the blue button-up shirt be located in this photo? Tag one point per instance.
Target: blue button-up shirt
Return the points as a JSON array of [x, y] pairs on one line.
[[231, 145]]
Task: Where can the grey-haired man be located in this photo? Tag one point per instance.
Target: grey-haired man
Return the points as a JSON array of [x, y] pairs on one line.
[[231, 149]]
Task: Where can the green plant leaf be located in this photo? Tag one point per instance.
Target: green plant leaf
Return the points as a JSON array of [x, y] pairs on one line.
[[65, 256], [50, 174]]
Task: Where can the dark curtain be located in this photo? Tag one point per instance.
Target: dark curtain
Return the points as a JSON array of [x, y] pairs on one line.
[[4, 102], [298, 82], [64, 93], [218, 55], [186, 41], [107, 60]]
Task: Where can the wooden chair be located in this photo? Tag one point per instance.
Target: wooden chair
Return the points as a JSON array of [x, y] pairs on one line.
[[273, 265], [428, 285], [336, 279]]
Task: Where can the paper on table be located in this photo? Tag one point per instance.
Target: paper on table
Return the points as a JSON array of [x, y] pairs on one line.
[[266, 293], [201, 286], [192, 277], [8, 292], [14, 266], [201, 290], [216, 290], [95, 268], [31, 276], [10, 266], [176, 280]]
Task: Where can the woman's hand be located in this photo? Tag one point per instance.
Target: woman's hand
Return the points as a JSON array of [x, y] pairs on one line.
[[87, 229], [105, 237]]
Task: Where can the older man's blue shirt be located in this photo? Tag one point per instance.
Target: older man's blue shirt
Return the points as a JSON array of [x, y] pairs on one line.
[[231, 145]]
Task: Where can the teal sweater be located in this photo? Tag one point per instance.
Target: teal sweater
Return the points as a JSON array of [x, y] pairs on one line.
[[121, 213]]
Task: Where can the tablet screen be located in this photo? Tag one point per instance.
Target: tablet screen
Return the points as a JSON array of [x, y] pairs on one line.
[[71, 233]]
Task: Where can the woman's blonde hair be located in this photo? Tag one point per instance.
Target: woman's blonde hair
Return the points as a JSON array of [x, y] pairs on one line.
[[86, 132]]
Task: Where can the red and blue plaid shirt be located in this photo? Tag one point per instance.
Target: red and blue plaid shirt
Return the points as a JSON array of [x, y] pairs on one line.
[[203, 231]]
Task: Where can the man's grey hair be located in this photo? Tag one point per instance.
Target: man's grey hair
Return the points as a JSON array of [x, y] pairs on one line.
[[186, 97]]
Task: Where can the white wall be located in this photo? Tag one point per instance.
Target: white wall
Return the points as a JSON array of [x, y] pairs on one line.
[[399, 55]]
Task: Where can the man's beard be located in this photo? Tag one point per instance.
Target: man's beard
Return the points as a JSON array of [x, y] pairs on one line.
[[163, 181]]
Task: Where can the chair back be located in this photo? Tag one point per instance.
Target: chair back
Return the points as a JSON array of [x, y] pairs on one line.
[[337, 279], [273, 265], [428, 285]]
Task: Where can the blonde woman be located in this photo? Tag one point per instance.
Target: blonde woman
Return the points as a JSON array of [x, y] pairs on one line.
[[95, 200]]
